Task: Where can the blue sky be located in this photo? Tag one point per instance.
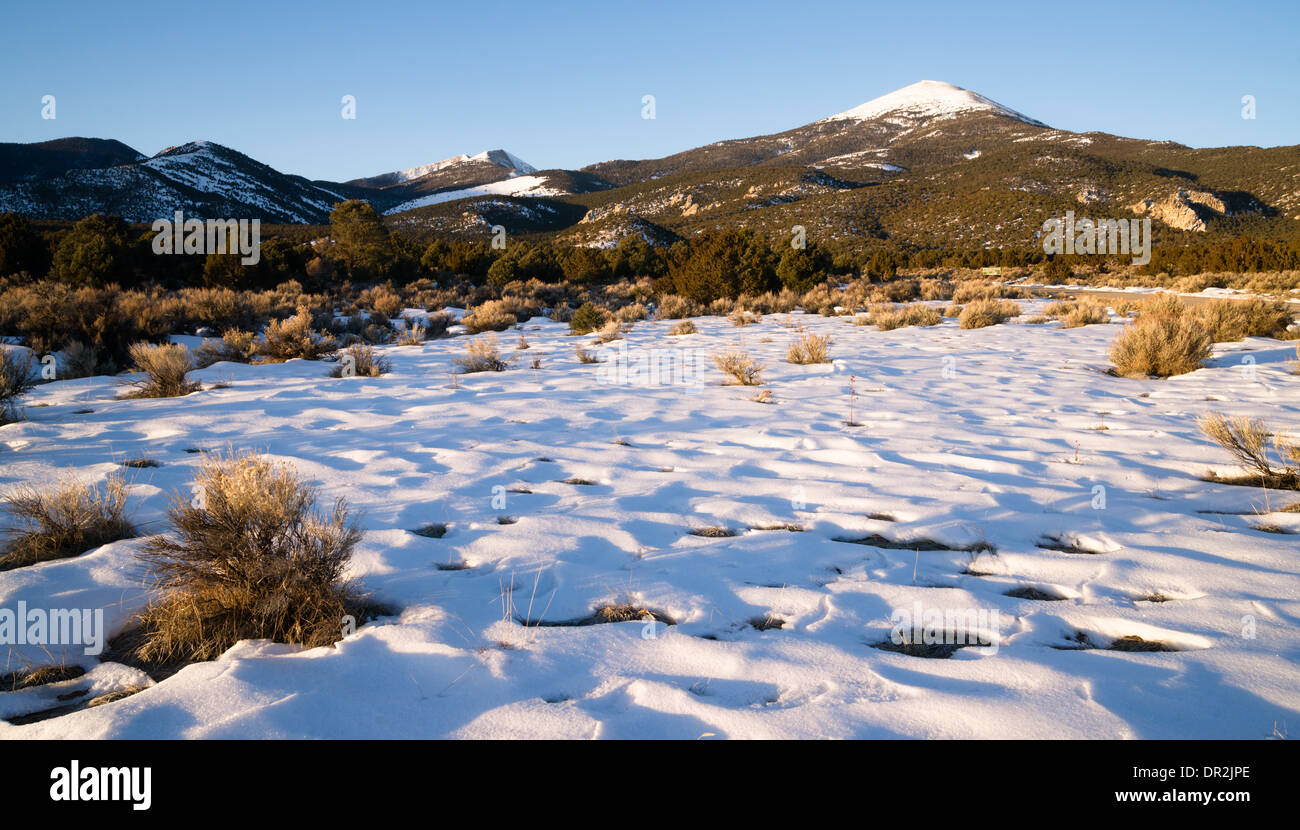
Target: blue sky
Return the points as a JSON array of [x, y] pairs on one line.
[[560, 85]]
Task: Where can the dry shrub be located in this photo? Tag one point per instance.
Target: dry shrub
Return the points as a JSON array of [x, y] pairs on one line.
[[898, 291], [16, 380], [235, 346], [489, 316], [786, 301], [740, 367], [1085, 314], [164, 368], [65, 520], [1247, 440], [820, 300], [411, 335], [50, 315], [251, 560], [216, 308], [382, 299], [377, 335], [913, 314], [562, 313], [973, 290], [810, 348], [360, 360], [632, 313], [684, 327], [294, 337], [1160, 346], [79, 361], [1231, 320], [482, 356], [987, 312], [740, 317], [436, 325], [609, 332], [1162, 305], [585, 355], [936, 289], [953, 310], [722, 307]]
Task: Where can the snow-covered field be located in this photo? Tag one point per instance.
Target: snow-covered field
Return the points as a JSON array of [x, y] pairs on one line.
[[1007, 435]]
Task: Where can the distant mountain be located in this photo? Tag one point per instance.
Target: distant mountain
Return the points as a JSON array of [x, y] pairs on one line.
[[931, 165], [29, 162], [201, 178], [490, 165]]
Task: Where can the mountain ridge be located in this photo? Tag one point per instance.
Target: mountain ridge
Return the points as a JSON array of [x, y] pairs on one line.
[[931, 164]]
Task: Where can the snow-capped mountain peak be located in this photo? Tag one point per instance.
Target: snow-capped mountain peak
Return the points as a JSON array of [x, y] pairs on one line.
[[515, 165], [928, 99]]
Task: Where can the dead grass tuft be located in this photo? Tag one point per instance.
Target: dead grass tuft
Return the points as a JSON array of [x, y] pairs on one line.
[[810, 348], [740, 367], [482, 356], [65, 520]]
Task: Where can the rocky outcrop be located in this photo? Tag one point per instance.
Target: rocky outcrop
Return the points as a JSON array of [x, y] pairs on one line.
[[1186, 210]]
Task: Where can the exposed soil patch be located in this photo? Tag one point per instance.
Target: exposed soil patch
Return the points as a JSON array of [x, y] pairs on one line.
[[793, 528], [875, 540], [1135, 643], [1064, 546], [1078, 642], [1028, 592], [712, 532], [431, 531], [931, 651], [1271, 528], [605, 614], [766, 623]]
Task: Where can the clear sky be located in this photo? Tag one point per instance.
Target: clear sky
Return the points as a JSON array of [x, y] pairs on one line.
[[561, 84]]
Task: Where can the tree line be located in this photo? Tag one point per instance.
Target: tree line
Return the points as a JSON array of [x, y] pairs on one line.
[[359, 247]]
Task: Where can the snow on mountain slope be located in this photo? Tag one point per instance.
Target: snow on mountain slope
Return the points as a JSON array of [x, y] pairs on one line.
[[204, 179], [514, 166], [517, 186], [212, 168], [927, 99]]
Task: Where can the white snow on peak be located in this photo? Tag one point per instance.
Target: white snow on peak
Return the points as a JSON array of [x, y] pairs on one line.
[[928, 99], [514, 186], [515, 164]]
